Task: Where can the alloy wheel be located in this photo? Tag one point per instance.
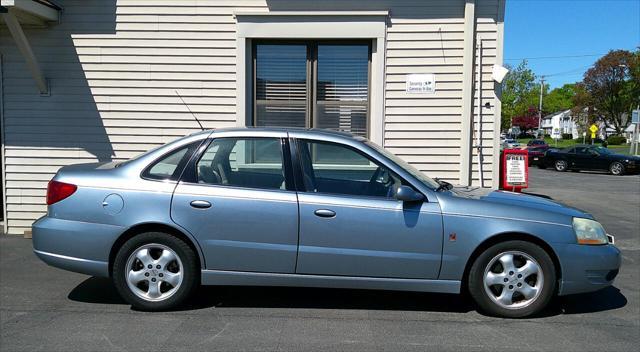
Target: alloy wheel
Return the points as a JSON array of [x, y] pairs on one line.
[[561, 165], [513, 280], [154, 272], [616, 168]]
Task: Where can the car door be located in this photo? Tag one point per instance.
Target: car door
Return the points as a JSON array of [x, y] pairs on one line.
[[351, 224], [236, 199], [585, 159]]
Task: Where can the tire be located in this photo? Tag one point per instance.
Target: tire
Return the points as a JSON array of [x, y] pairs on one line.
[[561, 165], [174, 271], [526, 295], [616, 168]]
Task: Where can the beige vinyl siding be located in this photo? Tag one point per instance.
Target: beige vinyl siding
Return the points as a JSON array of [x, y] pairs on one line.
[[113, 69]]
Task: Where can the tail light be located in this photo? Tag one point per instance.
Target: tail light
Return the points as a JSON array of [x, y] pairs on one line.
[[57, 191]]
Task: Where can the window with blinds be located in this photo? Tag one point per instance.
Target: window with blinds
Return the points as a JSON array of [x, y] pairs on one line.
[[312, 84]]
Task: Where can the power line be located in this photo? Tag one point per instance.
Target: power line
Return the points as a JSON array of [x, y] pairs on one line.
[[572, 71], [553, 57]]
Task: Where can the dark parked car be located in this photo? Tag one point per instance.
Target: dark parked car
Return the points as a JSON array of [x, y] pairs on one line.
[[537, 143], [536, 154], [590, 157]]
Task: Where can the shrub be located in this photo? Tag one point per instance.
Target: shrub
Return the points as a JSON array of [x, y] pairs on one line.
[[567, 136], [616, 140]]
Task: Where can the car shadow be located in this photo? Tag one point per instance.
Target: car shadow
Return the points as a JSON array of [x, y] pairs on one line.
[[101, 291]]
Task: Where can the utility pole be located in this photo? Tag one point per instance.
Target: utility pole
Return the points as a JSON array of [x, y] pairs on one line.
[[540, 107]]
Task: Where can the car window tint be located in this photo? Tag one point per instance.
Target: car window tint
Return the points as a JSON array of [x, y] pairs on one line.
[[242, 162], [582, 150], [337, 169], [165, 168]]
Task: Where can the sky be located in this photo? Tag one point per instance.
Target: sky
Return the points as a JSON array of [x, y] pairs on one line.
[[583, 29]]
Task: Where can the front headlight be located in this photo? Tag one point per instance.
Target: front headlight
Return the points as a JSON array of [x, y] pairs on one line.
[[589, 231]]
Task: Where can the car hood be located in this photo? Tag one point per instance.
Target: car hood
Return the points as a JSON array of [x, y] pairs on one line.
[[623, 157], [524, 205]]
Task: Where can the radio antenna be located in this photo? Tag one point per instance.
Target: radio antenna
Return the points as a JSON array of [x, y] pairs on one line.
[[192, 114]]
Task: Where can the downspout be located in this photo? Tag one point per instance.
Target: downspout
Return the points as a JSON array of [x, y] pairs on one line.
[[2, 159], [466, 129], [497, 118], [479, 121]]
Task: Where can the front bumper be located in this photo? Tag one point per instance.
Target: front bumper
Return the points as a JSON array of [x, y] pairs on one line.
[[587, 268], [74, 245]]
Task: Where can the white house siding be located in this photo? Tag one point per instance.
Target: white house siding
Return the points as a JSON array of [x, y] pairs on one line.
[[114, 67]]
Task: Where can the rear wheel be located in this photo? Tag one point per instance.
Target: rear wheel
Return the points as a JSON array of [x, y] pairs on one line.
[[561, 165], [616, 168], [512, 279], [155, 271]]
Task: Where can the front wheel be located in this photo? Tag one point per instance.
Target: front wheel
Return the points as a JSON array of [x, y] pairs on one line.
[[155, 271], [512, 279], [616, 168]]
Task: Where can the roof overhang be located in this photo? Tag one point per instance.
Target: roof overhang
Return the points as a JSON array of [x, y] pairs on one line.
[[29, 13], [34, 13]]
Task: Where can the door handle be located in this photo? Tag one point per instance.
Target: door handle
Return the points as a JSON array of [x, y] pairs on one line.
[[325, 213], [200, 204]]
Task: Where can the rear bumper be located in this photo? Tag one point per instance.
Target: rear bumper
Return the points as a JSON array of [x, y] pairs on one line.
[[587, 268], [74, 245]]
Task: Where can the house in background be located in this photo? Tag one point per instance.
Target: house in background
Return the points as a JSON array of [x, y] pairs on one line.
[[563, 119], [104, 80]]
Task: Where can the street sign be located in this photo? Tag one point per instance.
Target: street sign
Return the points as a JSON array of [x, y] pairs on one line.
[[635, 116], [593, 130]]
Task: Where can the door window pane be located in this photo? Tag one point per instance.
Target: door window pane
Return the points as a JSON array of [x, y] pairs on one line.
[[281, 85], [343, 87], [243, 162], [337, 169]]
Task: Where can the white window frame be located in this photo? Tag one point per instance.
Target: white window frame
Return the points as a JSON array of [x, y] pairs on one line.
[[316, 25]]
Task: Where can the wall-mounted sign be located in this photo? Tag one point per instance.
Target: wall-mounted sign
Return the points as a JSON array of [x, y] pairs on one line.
[[421, 83]]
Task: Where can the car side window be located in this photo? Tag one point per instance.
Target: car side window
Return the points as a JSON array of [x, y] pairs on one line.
[[338, 169], [582, 150], [243, 162], [167, 167]]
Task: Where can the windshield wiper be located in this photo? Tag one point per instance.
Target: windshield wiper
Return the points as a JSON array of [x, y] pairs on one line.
[[443, 185]]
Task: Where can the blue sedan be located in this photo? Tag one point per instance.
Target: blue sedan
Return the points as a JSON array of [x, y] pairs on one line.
[[314, 208]]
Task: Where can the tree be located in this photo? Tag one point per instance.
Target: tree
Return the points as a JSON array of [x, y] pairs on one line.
[[559, 99], [527, 121], [612, 88], [518, 93]]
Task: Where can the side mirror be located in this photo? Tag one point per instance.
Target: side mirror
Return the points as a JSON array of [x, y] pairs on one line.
[[408, 194]]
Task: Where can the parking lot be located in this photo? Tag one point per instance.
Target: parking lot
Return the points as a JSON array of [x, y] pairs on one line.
[[46, 309]]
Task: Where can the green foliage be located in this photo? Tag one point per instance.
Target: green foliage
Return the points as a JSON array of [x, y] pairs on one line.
[[567, 136], [559, 99], [518, 93], [616, 140], [613, 87]]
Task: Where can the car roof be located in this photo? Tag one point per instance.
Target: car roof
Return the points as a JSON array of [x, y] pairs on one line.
[[307, 131]]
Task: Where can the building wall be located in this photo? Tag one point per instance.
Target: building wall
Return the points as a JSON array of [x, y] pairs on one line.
[[114, 68]]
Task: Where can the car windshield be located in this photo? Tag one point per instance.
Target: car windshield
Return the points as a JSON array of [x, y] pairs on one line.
[[428, 181]]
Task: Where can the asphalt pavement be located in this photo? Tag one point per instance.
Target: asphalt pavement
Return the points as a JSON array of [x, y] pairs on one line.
[[46, 309]]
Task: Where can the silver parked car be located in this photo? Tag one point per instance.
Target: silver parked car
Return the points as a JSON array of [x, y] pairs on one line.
[[296, 207]]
